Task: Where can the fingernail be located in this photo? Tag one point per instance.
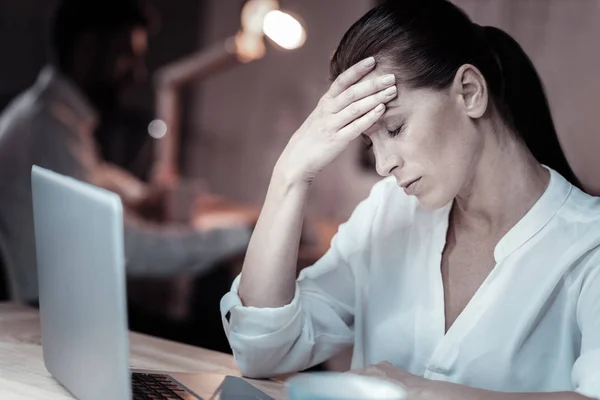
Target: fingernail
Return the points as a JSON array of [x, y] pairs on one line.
[[379, 108], [388, 79], [369, 62], [390, 91]]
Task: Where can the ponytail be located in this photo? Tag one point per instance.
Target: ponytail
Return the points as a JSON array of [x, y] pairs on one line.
[[522, 102]]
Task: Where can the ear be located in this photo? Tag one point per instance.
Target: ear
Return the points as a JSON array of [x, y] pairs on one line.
[[471, 90]]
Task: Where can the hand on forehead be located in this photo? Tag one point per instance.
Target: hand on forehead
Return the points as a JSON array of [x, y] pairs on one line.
[[377, 72], [381, 70]]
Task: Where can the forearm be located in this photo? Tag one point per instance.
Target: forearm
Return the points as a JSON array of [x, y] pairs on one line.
[[452, 391], [269, 271], [160, 251], [117, 180]]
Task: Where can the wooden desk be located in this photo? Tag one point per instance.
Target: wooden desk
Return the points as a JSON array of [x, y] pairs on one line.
[[23, 375]]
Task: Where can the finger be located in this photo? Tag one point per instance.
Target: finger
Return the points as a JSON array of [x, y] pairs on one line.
[[363, 106], [358, 126], [350, 77], [361, 90]]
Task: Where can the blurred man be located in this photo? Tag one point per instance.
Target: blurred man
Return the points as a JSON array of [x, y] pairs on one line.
[[97, 50]]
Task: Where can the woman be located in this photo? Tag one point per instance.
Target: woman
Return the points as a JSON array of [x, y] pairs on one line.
[[473, 269]]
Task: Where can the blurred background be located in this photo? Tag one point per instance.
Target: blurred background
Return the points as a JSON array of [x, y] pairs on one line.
[[233, 115]]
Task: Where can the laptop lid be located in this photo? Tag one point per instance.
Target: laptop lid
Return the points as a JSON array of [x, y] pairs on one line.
[[81, 276]]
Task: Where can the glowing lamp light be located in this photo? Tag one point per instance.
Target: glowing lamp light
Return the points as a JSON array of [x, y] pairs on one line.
[[283, 29]]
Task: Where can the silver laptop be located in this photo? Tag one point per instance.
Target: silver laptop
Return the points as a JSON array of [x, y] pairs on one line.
[[81, 273]]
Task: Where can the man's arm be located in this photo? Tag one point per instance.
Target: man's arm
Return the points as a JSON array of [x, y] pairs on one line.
[[149, 249]]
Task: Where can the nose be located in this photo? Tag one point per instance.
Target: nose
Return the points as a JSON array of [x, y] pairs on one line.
[[386, 163]]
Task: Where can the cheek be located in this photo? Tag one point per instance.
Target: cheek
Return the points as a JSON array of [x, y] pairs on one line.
[[445, 154], [427, 143], [446, 141]]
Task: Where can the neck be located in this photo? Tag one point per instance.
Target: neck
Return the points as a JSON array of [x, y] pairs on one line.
[[507, 183]]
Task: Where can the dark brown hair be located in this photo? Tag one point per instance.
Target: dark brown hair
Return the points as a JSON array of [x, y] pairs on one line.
[[429, 40]]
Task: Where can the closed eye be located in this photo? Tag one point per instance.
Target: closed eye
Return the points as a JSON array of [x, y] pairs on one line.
[[396, 132]]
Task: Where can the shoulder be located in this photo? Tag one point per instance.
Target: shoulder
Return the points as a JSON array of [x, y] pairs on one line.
[[18, 111], [578, 219], [577, 231], [581, 208], [575, 215], [27, 112]]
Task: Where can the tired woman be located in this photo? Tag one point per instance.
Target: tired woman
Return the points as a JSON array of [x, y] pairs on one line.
[[472, 271]]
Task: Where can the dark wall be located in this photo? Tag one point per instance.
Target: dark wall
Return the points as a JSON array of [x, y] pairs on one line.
[[23, 27], [123, 136], [181, 33], [22, 31]]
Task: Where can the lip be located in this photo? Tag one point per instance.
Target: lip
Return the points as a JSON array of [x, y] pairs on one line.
[[410, 187]]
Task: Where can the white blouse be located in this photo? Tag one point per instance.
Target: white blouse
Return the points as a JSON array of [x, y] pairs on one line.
[[533, 325]]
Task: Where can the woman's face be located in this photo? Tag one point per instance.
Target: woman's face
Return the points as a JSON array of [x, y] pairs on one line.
[[427, 141]]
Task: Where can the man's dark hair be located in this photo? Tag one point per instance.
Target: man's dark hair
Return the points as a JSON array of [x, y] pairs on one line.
[[74, 18]]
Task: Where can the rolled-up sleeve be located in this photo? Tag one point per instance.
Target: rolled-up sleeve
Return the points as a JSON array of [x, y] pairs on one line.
[[586, 371], [319, 321]]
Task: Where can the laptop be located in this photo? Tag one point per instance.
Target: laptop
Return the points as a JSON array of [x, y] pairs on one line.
[[83, 314]]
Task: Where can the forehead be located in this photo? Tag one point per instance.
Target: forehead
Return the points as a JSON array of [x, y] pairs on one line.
[[397, 103], [407, 102], [383, 68]]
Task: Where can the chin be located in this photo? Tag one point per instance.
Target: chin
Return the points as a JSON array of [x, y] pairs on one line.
[[433, 201]]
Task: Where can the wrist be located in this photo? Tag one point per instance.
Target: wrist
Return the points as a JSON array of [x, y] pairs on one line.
[[285, 190], [289, 179]]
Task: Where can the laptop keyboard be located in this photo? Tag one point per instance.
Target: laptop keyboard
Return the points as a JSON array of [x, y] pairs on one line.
[[156, 387]]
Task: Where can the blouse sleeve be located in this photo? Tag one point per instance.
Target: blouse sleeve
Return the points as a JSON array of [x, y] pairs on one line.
[[318, 322]]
